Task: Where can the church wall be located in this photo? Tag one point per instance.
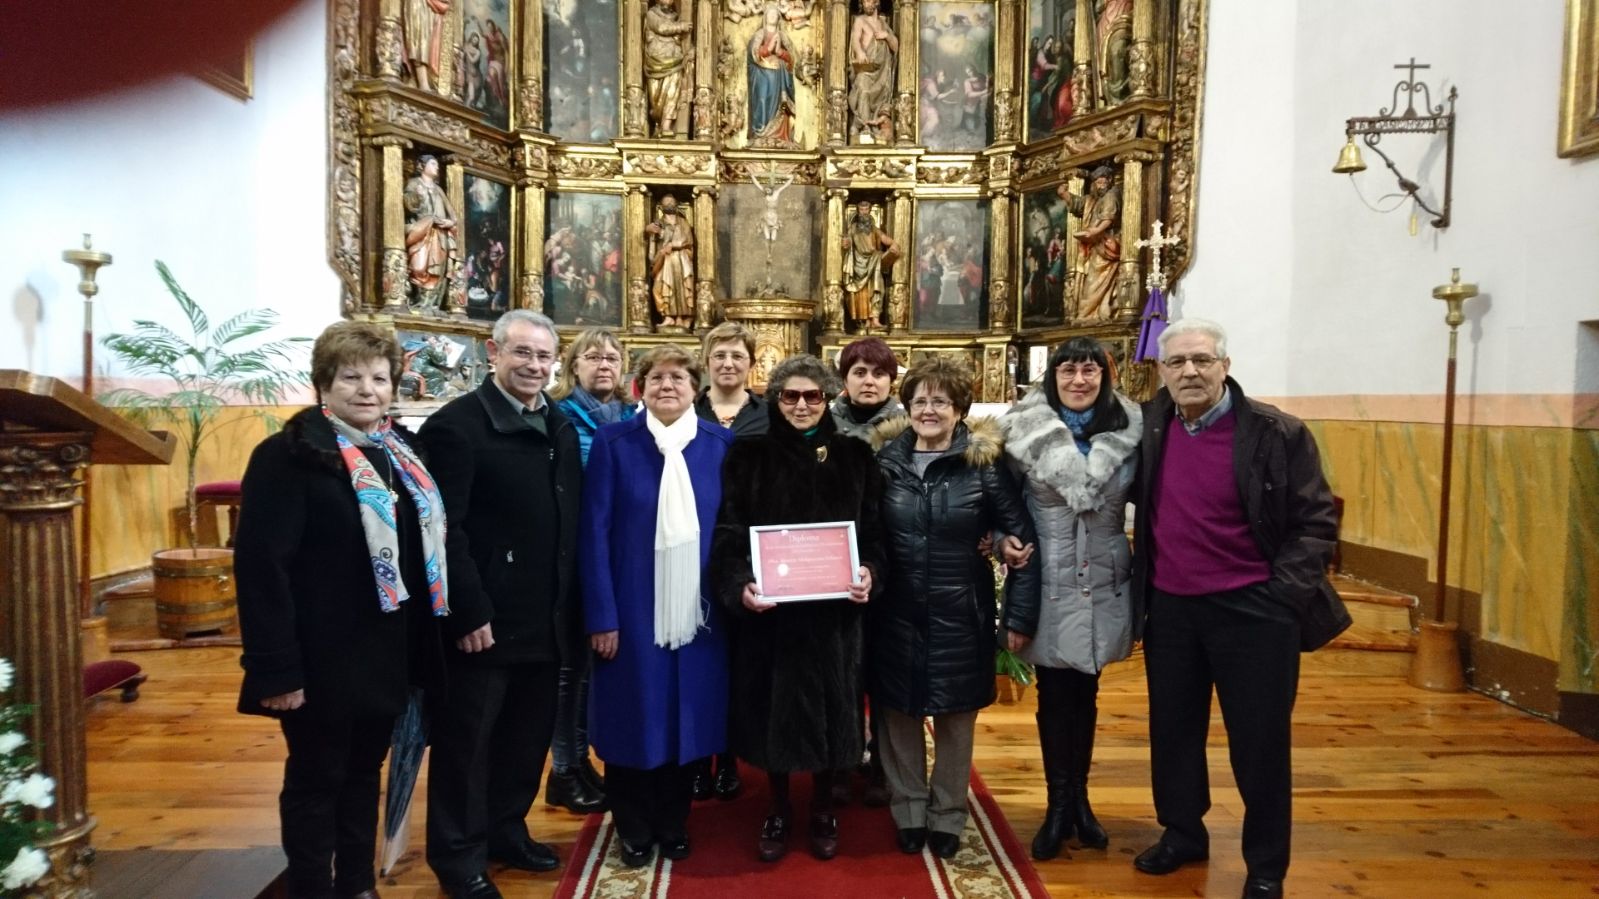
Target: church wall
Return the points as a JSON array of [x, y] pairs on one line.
[[231, 195], [1363, 356]]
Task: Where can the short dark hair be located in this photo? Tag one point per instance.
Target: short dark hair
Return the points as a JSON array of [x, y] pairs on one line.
[[802, 366], [939, 372], [1108, 412], [873, 351], [351, 343], [666, 354]]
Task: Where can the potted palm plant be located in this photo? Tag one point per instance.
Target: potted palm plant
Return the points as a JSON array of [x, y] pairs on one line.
[[200, 374]]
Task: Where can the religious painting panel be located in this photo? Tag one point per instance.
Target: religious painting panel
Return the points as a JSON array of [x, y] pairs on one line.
[[487, 266], [583, 259], [951, 289], [770, 65], [1049, 64], [957, 66], [1044, 259], [486, 52], [581, 61], [768, 233], [438, 367], [1579, 81]]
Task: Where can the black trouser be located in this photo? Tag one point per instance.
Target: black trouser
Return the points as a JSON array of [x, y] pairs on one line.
[[650, 805], [1246, 644], [329, 805], [1068, 711], [490, 737]]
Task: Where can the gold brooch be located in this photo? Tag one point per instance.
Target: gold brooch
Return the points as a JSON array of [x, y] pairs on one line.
[[821, 454]]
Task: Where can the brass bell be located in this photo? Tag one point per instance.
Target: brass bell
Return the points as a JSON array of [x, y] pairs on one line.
[[1349, 161]]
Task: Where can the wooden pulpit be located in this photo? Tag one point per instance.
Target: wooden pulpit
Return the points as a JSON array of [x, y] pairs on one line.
[[49, 433]]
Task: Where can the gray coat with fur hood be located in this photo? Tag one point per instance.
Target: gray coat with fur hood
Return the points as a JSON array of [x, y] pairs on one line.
[[1085, 618]]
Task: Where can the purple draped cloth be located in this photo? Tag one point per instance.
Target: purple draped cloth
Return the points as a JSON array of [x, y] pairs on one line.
[[1154, 322]]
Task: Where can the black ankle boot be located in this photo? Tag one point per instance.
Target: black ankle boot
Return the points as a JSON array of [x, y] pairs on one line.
[[1056, 829], [1089, 831], [571, 792]]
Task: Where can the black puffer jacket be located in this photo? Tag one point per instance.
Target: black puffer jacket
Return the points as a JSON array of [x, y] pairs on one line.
[[933, 631]]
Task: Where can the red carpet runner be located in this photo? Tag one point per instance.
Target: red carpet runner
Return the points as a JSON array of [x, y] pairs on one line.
[[991, 862]]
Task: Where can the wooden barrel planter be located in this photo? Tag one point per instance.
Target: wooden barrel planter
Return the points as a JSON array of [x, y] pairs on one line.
[[194, 591]]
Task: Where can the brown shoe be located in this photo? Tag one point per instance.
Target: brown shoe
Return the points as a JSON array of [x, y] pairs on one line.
[[824, 836], [774, 839]]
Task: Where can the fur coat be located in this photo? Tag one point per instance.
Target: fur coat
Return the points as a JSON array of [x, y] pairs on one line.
[[1085, 618], [796, 669]]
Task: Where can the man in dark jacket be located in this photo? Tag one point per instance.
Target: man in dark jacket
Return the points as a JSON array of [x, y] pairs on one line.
[[509, 470], [1234, 527]]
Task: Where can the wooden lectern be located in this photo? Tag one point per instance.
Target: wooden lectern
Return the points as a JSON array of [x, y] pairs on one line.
[[49, 433]]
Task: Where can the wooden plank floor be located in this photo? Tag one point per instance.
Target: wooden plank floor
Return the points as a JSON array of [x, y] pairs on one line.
[[1398, 792]]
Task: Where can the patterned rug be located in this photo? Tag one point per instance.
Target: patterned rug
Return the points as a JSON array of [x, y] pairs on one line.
[[991, 863]]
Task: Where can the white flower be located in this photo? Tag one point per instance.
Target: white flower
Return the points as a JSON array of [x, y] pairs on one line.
[[10, 742], [26, 869], [5, 674], [35, 790]]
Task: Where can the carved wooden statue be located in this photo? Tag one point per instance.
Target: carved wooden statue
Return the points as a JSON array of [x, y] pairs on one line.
[[868, 252], [668, 64], [873, 47], [429, 236], [671, 253], [1099, 244], [425, 48]]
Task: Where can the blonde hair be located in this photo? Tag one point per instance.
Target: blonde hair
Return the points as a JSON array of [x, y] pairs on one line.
[[727, 332]]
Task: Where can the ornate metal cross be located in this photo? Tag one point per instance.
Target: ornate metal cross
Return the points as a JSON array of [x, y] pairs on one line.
[[1156, 242]]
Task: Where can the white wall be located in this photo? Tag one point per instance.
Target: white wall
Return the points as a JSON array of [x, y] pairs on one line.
[[1354, 294], [231, 195]]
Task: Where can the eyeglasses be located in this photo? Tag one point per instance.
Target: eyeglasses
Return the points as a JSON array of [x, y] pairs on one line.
[[662, 377], [1071, 370], [610, 359], [729, 356], [936, 403], [793, 397], [1178, 363], [524, 355]]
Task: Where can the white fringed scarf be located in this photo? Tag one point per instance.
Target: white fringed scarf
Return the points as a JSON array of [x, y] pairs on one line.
[[678, 614]]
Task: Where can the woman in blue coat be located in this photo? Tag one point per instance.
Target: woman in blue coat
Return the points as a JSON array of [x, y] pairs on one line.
[[658, 696]]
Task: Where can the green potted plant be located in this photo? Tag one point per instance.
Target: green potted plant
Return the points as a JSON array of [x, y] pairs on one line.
[[1012, 674], [193, 586]]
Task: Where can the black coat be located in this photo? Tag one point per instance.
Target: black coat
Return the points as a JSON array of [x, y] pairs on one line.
[[308, 602], [796, 669], [751, 421], [511, 499], [933, 632], [1285, 496]]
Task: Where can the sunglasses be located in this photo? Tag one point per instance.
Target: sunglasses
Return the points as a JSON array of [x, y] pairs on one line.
[[792, 397]]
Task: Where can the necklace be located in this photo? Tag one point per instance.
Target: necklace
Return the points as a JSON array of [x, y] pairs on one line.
[[388, 481]]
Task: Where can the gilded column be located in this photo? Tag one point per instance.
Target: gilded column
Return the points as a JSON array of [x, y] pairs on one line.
[[38, 492], [388, 44], [633, 117], [1129, 286], [906, 128], [994, 380], [833, 262], [704, 256], [837, 79], [899, 291], [705, 101], [530, 87], [533, 227], [1007, 125], [455, 187], [1141, 62], [635, 215], [1085, 90], [1071, 291], [393, 277], [999, 261]]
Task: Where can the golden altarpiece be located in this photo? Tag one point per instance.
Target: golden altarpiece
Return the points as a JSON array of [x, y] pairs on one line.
[[958, 176]]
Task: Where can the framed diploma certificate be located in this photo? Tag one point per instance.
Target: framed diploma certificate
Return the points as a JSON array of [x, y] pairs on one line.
[[796, 562]]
